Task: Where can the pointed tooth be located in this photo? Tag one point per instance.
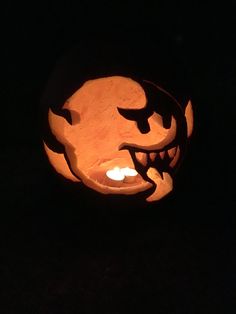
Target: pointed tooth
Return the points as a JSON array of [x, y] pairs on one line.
[[141, 157], [171, 152], [152, 156], [162, 154]]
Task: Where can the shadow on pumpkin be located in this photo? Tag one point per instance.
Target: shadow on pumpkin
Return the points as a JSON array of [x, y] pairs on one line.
[[121, 125], [101, 113]]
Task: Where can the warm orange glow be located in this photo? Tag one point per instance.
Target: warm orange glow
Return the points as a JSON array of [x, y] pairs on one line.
[[100, 141], [189, 118], [59, 163]]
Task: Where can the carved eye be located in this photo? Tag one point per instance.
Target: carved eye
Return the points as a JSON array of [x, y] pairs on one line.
[[135, 114], [143, 126], [107, 153], [139, 115]]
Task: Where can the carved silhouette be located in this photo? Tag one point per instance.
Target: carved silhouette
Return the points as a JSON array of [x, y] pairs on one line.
[[118, 122]]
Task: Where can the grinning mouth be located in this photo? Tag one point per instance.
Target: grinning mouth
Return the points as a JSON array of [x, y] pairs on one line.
[[164, 160], [156, 167]]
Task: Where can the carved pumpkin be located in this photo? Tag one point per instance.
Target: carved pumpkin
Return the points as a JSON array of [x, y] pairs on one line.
[[121, 137]]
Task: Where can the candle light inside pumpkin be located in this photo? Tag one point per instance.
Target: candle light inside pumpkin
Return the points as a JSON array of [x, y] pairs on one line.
[[130, 174], [122, 174], [115, 174]]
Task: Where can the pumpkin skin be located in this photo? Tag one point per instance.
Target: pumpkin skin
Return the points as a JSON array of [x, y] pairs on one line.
[[114, 123]]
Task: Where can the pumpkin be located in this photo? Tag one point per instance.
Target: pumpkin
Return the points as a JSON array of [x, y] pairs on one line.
[[122, 136]]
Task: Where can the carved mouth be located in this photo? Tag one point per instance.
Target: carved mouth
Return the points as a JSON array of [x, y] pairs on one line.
[[164, 160], [156, 167]]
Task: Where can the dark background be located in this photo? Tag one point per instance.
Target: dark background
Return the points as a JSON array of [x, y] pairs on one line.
[[63, 252]]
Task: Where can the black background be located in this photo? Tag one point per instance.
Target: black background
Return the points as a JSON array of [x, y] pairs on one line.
[[64, 253]]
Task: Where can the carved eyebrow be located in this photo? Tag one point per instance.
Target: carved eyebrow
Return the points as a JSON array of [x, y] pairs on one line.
[[135, 114]]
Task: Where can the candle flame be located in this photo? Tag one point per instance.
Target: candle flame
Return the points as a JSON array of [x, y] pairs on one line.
[[129, 172], [115, 174], [119, 174]]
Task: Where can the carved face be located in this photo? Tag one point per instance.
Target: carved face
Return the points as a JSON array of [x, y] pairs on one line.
[[120, 140]]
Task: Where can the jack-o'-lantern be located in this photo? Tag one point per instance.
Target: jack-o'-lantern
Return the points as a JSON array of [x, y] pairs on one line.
[[122, 137]]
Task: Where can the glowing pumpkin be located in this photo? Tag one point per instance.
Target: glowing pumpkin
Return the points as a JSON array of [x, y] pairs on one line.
[[124, 137]]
